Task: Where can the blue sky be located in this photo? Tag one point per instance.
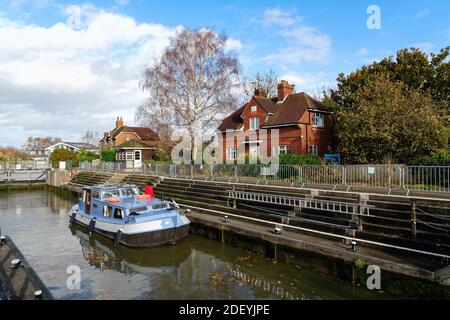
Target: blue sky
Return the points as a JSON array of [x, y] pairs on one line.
[[61, 77]]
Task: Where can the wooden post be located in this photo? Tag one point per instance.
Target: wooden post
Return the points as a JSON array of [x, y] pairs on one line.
[[234, 199], [413, 219]]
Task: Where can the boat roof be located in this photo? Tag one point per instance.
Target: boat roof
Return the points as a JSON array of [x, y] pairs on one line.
[[108, 187]]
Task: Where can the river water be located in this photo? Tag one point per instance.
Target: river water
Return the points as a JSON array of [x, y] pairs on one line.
[[195, 268]]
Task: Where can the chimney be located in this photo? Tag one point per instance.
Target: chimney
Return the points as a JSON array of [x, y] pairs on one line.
[[119, 122], [284, 89], [261, 92]]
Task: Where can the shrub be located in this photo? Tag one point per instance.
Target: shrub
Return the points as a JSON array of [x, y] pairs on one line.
[[84, 155], [108, 155]]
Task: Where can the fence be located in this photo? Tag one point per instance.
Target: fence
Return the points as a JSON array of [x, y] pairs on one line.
[[25, 165], [391, 177]]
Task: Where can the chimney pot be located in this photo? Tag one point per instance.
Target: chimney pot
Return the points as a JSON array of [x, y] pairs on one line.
[[284, 89]]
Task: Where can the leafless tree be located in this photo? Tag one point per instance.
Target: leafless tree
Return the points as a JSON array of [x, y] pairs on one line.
[[262, 80], [91, 137], [32, 143], [191, 86]]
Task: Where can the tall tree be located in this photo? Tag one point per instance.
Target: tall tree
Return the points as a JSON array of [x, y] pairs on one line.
[[91, 137], [390, 120], [191, 85], [267, 81], [417, 70]]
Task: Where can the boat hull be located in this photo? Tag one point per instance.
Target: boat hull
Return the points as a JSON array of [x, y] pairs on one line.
[[146, 239]]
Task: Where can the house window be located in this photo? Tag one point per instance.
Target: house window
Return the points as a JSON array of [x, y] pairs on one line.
[[318, 120], [120, 156], [254, 123], [313, 150], [253, 109], [129, 155], [281, 149], [232, 153], [137, 155]]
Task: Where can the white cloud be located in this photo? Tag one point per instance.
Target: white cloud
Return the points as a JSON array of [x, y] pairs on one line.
[[62, 81], [275, 16], [303, 43], [233, 44], [309, 82]]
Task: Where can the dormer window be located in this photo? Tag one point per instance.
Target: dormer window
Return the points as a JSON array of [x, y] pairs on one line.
[[254, 123], [253, 109]]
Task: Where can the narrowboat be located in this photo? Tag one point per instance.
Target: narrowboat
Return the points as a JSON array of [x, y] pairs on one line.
[[136, 220]]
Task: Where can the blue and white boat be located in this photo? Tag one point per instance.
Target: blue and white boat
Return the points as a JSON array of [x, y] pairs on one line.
[[135, 220]]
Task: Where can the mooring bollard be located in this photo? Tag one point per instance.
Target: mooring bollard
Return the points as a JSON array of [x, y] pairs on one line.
[[15, 263], [225, 219], [354, 246], [277, 230], [38, 294]]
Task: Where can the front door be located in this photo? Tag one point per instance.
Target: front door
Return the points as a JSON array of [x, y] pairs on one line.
[[253, 151], [137, 158]]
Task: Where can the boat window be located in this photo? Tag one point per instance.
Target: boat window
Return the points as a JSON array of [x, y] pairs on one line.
[[118, 213], [107, 211], [128, 192], [138, 209], [110, 194], [95, 195], [159, 206]]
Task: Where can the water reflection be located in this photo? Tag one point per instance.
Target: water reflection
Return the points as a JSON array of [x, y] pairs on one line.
[[187, 267]]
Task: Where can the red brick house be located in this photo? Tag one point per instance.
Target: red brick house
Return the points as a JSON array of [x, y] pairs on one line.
[[305, 127], [133, 145]]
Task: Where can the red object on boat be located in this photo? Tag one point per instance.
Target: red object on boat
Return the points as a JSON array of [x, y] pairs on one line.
[[149, 190]]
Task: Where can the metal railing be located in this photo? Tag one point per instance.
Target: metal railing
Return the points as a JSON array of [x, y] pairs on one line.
[[389, 177], [25, 165]]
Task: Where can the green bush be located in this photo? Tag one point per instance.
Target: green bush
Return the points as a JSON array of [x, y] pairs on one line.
[[299, 159], [84, 155], [437, 158], [108, 155]]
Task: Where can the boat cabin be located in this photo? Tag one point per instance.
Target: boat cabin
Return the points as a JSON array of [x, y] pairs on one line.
[[117, 203]]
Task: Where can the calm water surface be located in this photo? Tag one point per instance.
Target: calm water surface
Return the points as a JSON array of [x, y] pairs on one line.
[[195, 268]]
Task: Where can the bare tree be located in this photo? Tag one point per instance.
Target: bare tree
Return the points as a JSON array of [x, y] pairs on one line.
[[192, 85], [33, 143], [267, 80], [91, 137]]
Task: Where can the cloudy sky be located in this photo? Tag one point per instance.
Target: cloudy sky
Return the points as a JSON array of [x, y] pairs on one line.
[[67, 67]]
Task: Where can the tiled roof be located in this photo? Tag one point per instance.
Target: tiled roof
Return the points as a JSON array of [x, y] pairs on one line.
[[133, 144], [233, 121], [289, 111], [146, 134], [82, 145]]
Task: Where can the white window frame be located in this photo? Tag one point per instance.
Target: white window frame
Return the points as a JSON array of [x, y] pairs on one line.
[[318, 120], [231, 153], [281, 149], [253, 109], [254, 126], [314, 149]]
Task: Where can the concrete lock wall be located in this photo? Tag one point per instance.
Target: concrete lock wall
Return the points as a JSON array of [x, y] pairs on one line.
[[58, 178]]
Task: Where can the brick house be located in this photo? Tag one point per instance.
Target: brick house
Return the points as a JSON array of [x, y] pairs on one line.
[[133, 145], [305, 127]]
